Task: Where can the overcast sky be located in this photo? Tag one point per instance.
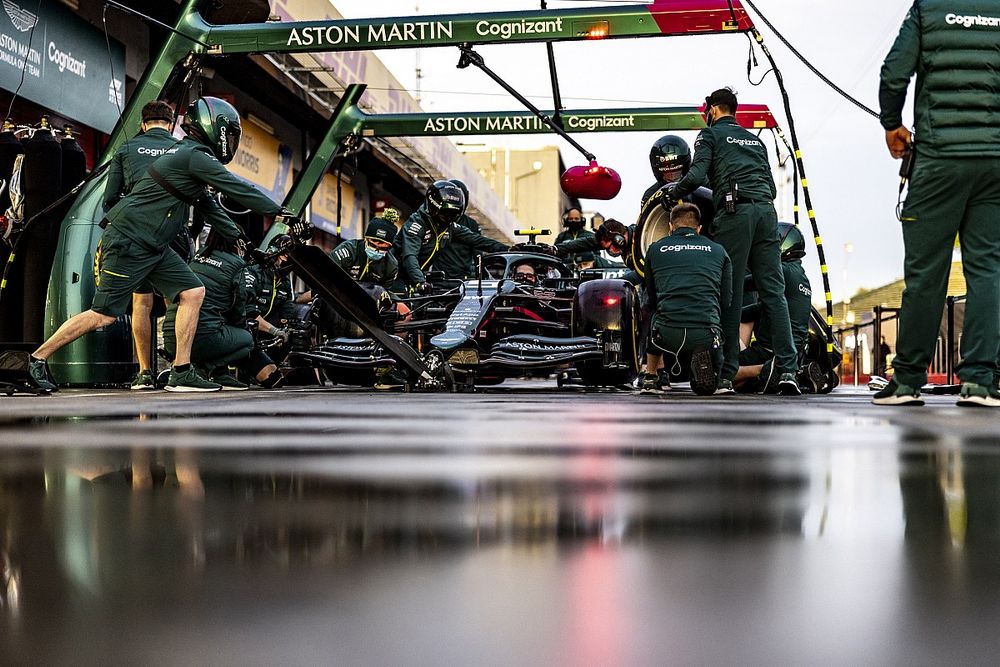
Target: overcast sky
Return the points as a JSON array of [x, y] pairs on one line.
[[853, 181]]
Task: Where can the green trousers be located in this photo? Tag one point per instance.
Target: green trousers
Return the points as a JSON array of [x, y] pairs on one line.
[[214, 346], [679, 343], [750, 237], [950, 197]]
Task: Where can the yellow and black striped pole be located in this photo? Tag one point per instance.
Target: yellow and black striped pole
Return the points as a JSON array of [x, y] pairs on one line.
[[804, 182]]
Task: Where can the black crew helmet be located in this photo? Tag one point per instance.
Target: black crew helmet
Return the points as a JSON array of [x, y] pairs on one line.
[[670, 158], [793, 243], [216, 124], [445, 202], [465, 191]]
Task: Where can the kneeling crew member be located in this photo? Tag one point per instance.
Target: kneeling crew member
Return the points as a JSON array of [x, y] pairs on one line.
[[688, 277], [136, 243], [754, 360], [222, 338], [736, 163]]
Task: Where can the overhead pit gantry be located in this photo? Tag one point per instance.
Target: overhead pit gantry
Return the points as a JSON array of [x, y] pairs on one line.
[[95, 359]]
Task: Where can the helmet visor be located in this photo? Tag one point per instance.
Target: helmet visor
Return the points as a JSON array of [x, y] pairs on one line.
[[671, 174], [445, 215]]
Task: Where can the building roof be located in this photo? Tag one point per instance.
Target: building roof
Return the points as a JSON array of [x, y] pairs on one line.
[[890, 296]]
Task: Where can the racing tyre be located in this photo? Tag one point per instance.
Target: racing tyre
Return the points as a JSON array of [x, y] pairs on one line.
[[608, 310]]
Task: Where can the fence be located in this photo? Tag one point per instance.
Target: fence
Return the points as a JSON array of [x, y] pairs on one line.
[[862, 360]]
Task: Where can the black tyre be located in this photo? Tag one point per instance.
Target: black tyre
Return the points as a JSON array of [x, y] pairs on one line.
[[608, 310]]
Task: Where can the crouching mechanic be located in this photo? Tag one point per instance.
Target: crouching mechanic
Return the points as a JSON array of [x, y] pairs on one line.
[[136, 243], [222, 338], [688, 277], [430, 229], [757, 369], [275, 295], [370, 262]]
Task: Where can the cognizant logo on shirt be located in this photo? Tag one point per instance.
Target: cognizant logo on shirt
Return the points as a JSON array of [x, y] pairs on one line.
[[681, 248], [969, 21]]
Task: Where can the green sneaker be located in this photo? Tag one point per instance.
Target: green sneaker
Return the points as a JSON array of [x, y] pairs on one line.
[[895, 393], [978, 396], [41, 377], [190, 381], [229, 383], [142, 380], [649, 385], [724, 388], [788, 385]]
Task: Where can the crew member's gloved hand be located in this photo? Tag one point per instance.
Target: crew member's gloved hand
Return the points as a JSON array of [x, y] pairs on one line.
[[257, 256], [284, 335], [669, 197], [421, 288], [299, 228], [608, 239]]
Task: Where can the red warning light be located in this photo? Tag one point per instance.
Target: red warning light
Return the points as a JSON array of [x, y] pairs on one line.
[[610, 301]]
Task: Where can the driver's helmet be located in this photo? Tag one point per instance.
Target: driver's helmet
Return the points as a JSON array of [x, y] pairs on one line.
[[465, 191], [793, 243], [669, 158], [216, 124], [445, 202], [525, 273]]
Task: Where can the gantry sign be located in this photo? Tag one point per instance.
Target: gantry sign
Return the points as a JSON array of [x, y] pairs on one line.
[[71, 290]]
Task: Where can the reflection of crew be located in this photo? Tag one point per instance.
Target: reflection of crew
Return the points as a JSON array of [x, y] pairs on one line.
[[222, 338], [142, 226], [688, 277], [756, 361], [574, 223], [431, 228], [736, 163]]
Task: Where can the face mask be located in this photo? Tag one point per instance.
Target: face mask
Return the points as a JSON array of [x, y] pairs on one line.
[[709, 120], [374, 254]]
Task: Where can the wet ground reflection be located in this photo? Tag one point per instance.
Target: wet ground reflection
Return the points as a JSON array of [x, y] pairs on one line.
[[175, 556]]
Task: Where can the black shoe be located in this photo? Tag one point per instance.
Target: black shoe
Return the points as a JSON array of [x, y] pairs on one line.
[[704, 381], [663, 380], [767, 379], [41, 377], [895, 393], [392, 379], [648, 386], [811, 378]]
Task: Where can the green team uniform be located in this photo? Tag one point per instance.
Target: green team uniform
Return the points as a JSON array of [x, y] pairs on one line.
[[688, 278], [590, 244], [222, 337], [275, 297], [142, 225], [419, 242], [728, 157], [351, 257], [574, 235], [458, 260], [128, 165], [798, 295], [955, 186]]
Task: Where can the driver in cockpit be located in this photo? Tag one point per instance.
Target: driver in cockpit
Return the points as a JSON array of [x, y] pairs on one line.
[[525, 273]]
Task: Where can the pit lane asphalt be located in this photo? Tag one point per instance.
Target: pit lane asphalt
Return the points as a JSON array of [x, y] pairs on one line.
[[516, 526]]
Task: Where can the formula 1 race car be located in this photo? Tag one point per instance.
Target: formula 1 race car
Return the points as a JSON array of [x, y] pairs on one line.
[[525, 314]]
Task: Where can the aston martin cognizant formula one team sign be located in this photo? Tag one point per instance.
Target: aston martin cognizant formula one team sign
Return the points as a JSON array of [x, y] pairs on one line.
[[64, 61]]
